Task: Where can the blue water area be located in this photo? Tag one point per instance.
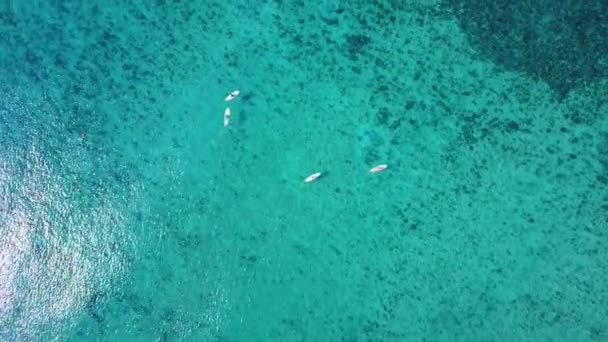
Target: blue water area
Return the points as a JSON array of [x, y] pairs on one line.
[[129, 212]]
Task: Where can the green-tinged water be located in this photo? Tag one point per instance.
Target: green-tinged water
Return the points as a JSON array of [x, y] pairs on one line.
[[128, 212]]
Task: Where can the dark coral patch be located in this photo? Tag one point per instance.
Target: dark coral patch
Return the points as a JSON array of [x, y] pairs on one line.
[[355, 43], [561, 42]]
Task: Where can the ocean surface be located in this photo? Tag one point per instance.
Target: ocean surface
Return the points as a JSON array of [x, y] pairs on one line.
[[128, 212]]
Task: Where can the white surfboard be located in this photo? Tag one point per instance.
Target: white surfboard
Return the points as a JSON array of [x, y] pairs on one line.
[[226, 117], [312, 177], [378, 168], [232, 95]]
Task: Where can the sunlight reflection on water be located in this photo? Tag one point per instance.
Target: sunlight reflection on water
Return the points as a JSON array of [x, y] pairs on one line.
[[60, 242]]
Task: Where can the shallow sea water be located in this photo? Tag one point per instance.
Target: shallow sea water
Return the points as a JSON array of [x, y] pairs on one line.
[[128, 212]]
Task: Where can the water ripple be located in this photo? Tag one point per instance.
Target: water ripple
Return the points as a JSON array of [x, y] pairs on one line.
[[62, 241]]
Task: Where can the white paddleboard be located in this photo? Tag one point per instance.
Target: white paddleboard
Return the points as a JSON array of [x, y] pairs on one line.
[[378, 168], [226, 117], [312, 177], [232, 95]]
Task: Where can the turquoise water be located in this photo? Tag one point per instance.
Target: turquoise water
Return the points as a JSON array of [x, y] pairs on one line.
[[129, 213]]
